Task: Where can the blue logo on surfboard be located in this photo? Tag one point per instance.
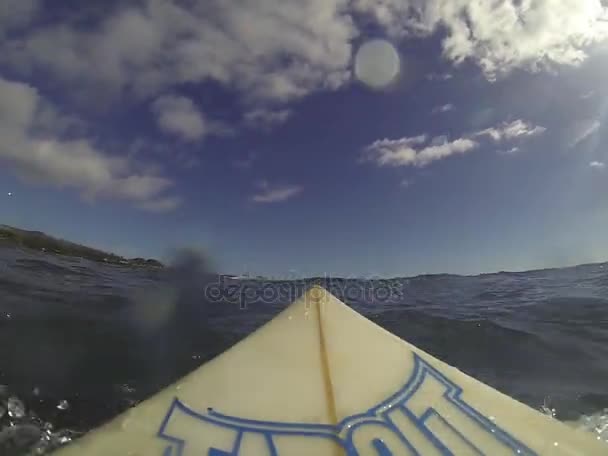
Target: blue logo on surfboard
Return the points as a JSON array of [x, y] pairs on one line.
[[403, 424]]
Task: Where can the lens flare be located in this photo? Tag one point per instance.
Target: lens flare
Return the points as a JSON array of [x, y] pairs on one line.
[[377, 64]]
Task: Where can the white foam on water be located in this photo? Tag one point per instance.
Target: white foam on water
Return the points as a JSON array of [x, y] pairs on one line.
[[15, 407], [22, 432], [596, 423]]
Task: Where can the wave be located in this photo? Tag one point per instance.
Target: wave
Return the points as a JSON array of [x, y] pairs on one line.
[[104, 338]]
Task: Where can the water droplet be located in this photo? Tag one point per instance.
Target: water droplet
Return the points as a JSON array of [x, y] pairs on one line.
[[556, 444], [36, 391], [290, 318], [15, 407], [63, 437], [63, 405]]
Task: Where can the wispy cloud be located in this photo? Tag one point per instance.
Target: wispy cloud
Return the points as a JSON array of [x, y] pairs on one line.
[[511, 130], [406, 183], [416, 151], [584, 130], [439, 76], [511, 151], [444, 108], [268, 193], [597, 165], [266, 118], [420, 151]]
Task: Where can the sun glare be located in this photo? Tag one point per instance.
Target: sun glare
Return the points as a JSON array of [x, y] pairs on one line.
[[377, 64]]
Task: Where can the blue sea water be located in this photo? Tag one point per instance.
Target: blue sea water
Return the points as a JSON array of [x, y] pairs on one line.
[[81, 342]]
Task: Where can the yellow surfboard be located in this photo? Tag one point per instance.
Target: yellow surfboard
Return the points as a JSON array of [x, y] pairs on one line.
[[321, 380]]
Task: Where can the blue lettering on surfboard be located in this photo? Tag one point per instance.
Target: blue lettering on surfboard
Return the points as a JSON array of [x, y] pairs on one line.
[[403, 424]]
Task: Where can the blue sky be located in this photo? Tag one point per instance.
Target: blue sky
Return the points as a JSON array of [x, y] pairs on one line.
[[362, 137]]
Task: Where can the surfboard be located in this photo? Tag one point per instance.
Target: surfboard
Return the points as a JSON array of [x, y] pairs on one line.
[[321, 380]]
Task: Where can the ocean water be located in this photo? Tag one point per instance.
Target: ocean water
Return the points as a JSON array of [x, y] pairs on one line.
[[80, 342]]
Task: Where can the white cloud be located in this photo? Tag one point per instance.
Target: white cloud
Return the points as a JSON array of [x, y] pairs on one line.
[[597, 165], [267, 49], [439, 76], [584, 130], [416, 151], [512, 130], [420, 152], [179, 116], [266, 118], [499, 35], [587, 95], [280, 50], [74, 163], [268, 193], [444, 108], [511, 151]]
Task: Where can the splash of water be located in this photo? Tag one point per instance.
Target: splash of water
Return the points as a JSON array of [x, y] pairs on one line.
[[23, 433], [596, 423]]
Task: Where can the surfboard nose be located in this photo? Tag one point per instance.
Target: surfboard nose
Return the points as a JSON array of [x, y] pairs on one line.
[[316, 293]]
